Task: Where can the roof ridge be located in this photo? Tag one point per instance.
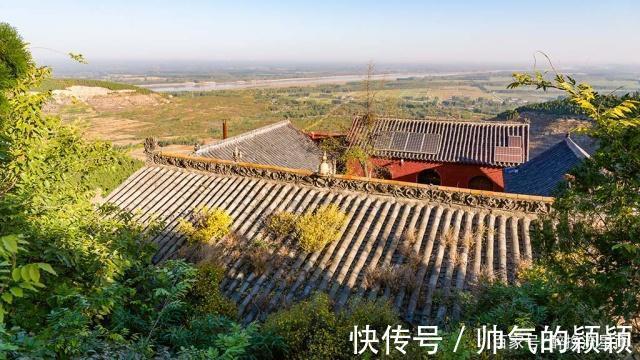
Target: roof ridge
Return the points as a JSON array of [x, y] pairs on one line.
[[244, 136], [444, 194], [576, 148], [476, 122]]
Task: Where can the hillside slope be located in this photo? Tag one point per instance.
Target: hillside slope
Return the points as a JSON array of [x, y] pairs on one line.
[[547, 130]]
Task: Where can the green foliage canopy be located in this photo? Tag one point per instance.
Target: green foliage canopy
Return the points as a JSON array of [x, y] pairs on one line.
[[594, 242], [100, 296], [14, 57]]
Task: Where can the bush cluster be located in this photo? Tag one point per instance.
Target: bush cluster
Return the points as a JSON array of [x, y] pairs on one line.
[[282, 224], [313, 230], [318, 228], [313, 330], [206, 294], [206, 226]]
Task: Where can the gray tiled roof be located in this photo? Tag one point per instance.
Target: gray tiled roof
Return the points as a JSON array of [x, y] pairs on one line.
[[470, 142], [542, 174], [452, 252], [279, 144]]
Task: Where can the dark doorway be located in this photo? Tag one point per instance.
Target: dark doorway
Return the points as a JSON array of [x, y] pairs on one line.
[[480, 182], [429, 177]]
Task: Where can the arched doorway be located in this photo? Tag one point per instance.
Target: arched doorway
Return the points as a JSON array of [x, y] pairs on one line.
[[429, 177], [480, 182]]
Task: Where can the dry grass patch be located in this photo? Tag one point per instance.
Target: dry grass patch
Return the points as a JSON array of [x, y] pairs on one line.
[[468, 240], [485, 276], [379, 276], [261, 255], [225, 250], [395, 277], [257, 255], [407, 241], [449, 238], [407, 249]]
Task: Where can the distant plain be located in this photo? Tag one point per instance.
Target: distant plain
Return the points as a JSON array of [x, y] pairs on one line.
[[129, 113]]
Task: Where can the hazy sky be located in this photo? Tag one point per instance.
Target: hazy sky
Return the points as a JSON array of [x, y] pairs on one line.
[[585, 32]]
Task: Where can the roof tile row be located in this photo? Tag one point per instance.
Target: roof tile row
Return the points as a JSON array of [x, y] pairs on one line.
[[452, 249]]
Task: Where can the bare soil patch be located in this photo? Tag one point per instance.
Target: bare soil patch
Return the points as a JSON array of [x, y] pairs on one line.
[[120, 131], [119, 101]]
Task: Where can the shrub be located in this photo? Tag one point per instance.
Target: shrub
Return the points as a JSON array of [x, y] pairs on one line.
[[206, 295], [215, 337], [208, 225], [282, 224], [310, 329], [319, 228], [377, 314], [359, 156], [108, 178], [313, 230], [335, 147], [508, 115], [540, 299], [467, 348]]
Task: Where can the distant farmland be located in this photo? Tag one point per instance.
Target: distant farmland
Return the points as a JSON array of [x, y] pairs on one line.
[[195, 116]]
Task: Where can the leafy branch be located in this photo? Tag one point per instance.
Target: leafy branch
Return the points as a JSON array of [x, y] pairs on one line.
[[14, 277], [584, 96]]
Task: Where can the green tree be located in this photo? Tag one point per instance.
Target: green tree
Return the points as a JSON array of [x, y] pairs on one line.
[[14, 57], [107, 299], [17, 274], [592, 238]]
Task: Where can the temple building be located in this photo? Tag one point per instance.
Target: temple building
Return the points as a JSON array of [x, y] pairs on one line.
[[464, 154], [543, 174], [279, 144], [438, 241], [435, 242]]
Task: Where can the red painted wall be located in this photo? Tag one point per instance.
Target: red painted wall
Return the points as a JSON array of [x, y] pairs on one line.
[[457, 175]]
